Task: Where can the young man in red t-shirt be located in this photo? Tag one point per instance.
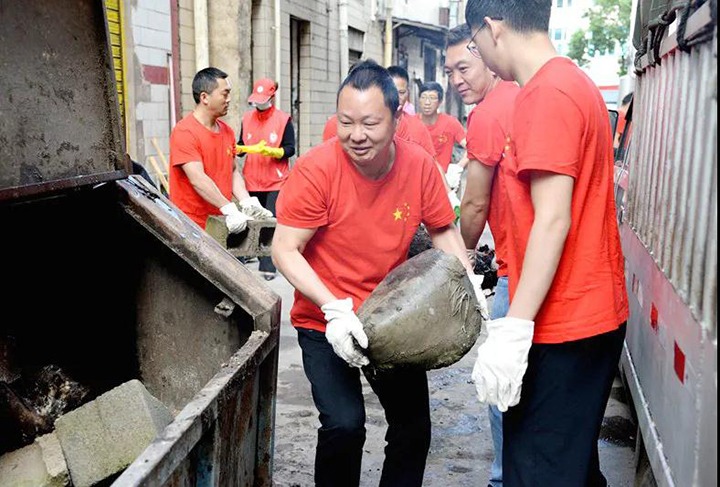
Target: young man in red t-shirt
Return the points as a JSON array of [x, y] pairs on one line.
[[203, 174], [346, 217], [561, 340], [488, 129], [445, 131]]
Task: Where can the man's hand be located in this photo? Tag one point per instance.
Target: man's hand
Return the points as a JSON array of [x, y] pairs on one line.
[[235, 220], [342, 326], [250, 149], [502, 360], [476, 280], [472, 256], [274, 152], [453, 175], [252, 207], [455, 203]]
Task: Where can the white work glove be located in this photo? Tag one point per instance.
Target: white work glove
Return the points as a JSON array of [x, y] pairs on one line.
[[453, 175], [251, 206], [502, 360], [472, 256], [235, 220], [342, 326], [476, 280]]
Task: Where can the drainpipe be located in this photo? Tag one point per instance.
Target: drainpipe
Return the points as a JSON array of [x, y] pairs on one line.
[[278, 50], [202, 41], [388, 32], [344, 43]]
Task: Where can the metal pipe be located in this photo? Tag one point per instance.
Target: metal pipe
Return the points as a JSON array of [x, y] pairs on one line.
[[202, 39], [344, 43]]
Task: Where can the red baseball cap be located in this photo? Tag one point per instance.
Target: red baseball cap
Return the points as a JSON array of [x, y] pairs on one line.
[[263, 90]]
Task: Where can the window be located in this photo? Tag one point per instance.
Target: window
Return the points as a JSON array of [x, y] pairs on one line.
[[559, 34], [559, 4]]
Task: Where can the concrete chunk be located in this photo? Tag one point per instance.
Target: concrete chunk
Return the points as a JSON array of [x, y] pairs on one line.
[[40, 464], [104, 436]]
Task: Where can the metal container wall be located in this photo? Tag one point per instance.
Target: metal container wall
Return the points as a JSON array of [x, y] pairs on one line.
[[669, 238]]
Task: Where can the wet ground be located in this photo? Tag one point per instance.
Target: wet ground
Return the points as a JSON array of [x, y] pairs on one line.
[[461, 451]]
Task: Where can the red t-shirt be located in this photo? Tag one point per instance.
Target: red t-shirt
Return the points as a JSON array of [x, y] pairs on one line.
[[445, 132], [364, 227], [191, 141], [488, 129], [560, 125], [409, 128]]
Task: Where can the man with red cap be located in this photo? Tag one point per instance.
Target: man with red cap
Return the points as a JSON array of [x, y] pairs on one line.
[[267, 137]]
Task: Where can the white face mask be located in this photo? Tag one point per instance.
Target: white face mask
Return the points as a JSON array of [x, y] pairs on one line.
[[263, 106]]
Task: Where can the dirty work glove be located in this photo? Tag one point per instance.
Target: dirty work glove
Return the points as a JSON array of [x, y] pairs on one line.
[[275, 152], [235, 220], [476, 280], [455, 203], [502, 360], [453, 175], [342, 326], [250, 149], [472, 256], [252, 207]]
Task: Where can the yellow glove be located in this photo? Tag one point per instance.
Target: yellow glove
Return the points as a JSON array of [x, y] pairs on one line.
[[276, 152], [250, 149]]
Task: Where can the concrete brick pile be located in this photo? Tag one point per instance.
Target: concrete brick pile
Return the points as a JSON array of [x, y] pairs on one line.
[[90, 443]]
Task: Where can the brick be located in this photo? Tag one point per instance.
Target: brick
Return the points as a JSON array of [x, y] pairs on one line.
[[104, 436], [254, 242], [40, 464]]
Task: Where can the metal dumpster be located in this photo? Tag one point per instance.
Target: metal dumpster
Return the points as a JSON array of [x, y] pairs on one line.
[[107, 279]]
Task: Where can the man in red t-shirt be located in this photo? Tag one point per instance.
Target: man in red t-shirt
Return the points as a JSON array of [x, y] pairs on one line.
[[445, 131], [561, 340], [488, 129], [346, 217], [203, 174]]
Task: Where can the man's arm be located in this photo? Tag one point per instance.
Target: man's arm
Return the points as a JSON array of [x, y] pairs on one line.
[[203, 184], [239, 190], [551, 197], [464, 160], [476, 202], [288, 243], [448, 240]]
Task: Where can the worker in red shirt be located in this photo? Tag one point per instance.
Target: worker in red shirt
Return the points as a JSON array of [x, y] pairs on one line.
[[551, 361], [488, 129], [267, 137], [445, 131], [364, 182], [203, 175]]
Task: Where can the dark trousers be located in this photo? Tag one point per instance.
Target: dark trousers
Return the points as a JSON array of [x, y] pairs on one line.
[[337, 393], [268, 200], [551, 437]]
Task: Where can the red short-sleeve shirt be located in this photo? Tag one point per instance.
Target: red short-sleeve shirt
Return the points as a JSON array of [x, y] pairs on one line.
[[364, 227], [488, 129], [190, 141], [445, 133], [560, 125]]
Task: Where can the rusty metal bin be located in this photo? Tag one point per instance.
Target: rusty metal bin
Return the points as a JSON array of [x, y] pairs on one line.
[[106, 278]]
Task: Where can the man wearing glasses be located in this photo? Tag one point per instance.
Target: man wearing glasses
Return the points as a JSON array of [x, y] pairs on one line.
[[444, 129], [488, 128], [560, 343]]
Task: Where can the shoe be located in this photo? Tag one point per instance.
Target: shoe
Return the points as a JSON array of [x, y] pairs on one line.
[[269, 276]]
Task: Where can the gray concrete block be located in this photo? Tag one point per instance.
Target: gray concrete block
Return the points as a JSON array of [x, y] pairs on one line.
[[40, 464], [255, 241], [104, 436]]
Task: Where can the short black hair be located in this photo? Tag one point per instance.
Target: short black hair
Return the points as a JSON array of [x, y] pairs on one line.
[[432, 86], [366, 74], [627, 99], [459, 34], [205, 80], [521, 15], [399, 72]]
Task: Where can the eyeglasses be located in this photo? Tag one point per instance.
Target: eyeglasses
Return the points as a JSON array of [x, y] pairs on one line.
[[429, 98], [471, 46]]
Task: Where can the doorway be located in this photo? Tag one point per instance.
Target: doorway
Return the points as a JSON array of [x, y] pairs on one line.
[[299, 81]]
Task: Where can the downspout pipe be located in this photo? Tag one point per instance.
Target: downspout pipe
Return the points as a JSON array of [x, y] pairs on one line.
[[344, 41], [278, 50], [202, 39], [388, 32]]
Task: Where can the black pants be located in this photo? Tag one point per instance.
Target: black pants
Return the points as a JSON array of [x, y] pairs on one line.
[[337, 393], [551, 437], [268, 200]]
